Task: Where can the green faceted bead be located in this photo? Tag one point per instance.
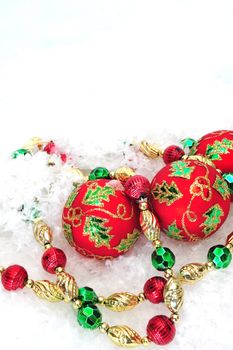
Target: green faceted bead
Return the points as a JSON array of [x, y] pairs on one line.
[[99, 173], [228, 177], [220, 256], [89, 316], [87, 295], [163, 258], [187, 143], [19, 152]]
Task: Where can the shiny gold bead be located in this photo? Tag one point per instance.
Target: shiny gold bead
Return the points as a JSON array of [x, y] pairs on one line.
[[47, 245], [157, 243], [104, 327], [122, 174], [1, 270], [230, 246], [59, 270], [77, 304], [143, 205], [169, 273], [175, 317], [146, 341], [210, 266], [29, 283], [101, 299], [141, 297], [149, 150]]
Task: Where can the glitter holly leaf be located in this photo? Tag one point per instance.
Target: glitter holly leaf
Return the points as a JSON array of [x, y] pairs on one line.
[[181, 169], [221, 186], [126, 243], [214, 151], [166, 193], [97, 232], [173, 231], [213, 219], [96, 194], [68, 233]]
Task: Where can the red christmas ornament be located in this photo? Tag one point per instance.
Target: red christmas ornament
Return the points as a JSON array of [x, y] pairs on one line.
[[218, 147], [172, 153], [190, 199], [53, 258], [161, 330], [99, 220], [14, 277], [137, 186], [153, 289]]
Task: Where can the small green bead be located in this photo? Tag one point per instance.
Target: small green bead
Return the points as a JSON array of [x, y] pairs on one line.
[[228, 177], [89, 316], [19, 152], [187, 143], [99, 173], [220, 256], [87, 295], [163, 258]]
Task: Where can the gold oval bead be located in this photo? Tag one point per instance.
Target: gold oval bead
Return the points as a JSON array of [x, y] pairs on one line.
[[47, 290], [124, 336], [149, 225], [42, 232], [121, 301], [123, 174], [67, 286], [149, 150], [173, 295], [192, 273]]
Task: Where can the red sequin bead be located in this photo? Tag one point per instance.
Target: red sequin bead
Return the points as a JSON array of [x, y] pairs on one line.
[[50, 148], [153, 289], [172, 153], [137, 186], [53, 258], [161, 330], [14, 277]]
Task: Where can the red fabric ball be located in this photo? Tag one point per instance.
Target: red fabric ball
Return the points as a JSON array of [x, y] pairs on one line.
[[99, 220], [14, 277], [53, 258], [190, 199], [153, 289], [172, 153], [137, 186], [217, 146], [161, 330]]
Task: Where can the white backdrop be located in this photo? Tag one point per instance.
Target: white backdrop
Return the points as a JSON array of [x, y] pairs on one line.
[[99, 73]]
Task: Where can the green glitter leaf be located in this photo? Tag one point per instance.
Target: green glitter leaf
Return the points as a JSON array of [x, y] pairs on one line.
[[166, 193], [173, 231], [126, 243], [95, 195], [213, 218], [181, 169], [214, 151], [98, 233]]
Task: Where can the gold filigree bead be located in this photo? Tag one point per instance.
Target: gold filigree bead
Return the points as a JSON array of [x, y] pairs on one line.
[[141, 297], [104, 327], [101, 299], [149, 150], [145, 341], [29, 283], [124, 336], [168, 273], [67, 286], [42, 232], [77, 304], [121, 301], [210, 266], [191, 273], [173, 295], [175, 317]]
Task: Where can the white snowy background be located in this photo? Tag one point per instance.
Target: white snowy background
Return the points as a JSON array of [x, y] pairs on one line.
[[96, 76]]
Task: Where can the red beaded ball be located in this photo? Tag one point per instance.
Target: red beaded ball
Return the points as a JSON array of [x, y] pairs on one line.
[[161, 330], [172, 153], [14, 277], [137, 186], [53, 258], [153, 289]]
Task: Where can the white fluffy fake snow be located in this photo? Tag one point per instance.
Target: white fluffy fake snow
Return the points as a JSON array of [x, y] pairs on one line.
[[30, 323]]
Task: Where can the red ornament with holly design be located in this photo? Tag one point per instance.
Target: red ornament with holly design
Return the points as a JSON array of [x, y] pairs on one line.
[[99, 219], [190, 199]]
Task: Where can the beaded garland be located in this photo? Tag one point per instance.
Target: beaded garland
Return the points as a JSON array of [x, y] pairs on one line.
[[168, 289]]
